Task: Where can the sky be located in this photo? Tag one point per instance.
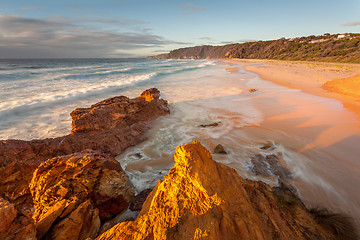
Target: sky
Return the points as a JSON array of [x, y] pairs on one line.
[[138, 28]]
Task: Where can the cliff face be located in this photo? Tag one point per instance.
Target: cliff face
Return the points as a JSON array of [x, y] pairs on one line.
[[203, 199]]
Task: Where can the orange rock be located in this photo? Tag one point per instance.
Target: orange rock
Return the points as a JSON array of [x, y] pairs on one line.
[[14, 224], [203, 199], [61, 186]]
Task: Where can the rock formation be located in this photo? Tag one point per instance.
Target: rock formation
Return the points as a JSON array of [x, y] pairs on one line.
[[77, 191], [109, 126], [203, 199]]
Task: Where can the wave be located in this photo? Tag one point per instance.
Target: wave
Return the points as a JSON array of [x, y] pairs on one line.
[[63, 94]]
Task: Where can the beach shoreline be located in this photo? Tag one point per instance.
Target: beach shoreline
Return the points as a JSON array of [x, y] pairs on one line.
[[309, 77]]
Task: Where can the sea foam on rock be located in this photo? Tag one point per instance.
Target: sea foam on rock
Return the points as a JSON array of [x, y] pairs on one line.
[[203, 199]]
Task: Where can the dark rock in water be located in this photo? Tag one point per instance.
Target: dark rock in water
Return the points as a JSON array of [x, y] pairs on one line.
[[253, 90], [268, 146], [215, 124], [220, 149], [260, 166], [138, 201], [136, 155], [268, 165]]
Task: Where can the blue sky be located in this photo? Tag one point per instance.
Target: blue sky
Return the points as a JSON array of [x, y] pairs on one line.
[[133, 28]]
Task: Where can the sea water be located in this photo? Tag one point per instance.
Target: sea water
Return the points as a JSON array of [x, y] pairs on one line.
[[316, 137]]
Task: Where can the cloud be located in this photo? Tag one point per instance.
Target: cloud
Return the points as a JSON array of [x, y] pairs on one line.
[[32, 8], [23, 37], [206, 38], [357, 23], [190, 8]]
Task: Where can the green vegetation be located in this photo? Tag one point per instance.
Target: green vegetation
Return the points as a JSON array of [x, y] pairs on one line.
[[325, 48]]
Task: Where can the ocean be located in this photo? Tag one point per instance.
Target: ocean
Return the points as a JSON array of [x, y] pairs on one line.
[[307, 132], [37, 96]]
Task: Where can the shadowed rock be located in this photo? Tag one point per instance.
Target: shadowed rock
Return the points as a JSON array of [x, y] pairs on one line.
[[215, 124], [268, 165], [220, 149], [138, 201], [14, 224]]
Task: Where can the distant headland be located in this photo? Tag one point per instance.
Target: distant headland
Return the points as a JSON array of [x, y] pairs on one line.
[[324, 48]]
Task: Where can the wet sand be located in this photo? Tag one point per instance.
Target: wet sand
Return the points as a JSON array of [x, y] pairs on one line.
[[309, 77]]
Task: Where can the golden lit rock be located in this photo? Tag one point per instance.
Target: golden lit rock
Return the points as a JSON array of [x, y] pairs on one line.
[[203, 199]]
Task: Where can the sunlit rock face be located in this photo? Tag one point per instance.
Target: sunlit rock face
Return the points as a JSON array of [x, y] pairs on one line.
[[73, 193], [109, 126], [203, 199]]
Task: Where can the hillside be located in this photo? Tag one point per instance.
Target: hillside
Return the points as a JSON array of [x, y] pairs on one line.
[[324, 48]]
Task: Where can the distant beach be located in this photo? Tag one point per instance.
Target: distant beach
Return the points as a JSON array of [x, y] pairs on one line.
[[309, 77]]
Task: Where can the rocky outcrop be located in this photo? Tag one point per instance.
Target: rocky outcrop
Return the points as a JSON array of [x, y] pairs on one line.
[[72, 193], [269, 165], [14, 224], [203, 199], [109, 126]]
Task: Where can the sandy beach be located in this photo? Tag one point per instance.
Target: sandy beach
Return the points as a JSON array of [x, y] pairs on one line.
[[331, 80]]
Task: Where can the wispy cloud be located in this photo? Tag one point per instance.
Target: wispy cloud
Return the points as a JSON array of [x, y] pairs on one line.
[[59, 37], [349, 24], [190, 8], [32, 8]]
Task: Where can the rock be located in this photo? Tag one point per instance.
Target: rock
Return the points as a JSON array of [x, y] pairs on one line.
[[215, 124], [268, 146], [15, 225], [78, 189], [268, 165], [138, 201], [109, 126], [82, 223], [220, 149], [253, 90], [203, 199], [7, 214]]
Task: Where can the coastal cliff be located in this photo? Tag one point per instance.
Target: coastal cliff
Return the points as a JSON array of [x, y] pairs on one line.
[[325, 48]]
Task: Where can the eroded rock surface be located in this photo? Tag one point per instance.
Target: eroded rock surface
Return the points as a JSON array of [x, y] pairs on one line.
[[203, 199], [73, 193], [15, 225], [109, 126]]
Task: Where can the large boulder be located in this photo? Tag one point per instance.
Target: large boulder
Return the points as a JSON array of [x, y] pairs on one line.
[[73, 193], [109, 126], [203, 199]]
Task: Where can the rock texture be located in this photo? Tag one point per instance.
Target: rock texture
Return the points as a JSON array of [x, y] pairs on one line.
[[74, 192], [109, 126], [203, 199], [15, 225]]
